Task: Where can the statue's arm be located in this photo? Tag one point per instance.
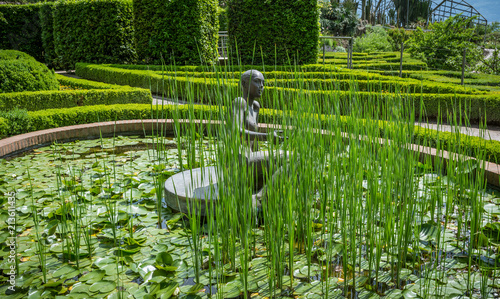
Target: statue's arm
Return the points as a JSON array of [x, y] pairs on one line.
[[239, 108]]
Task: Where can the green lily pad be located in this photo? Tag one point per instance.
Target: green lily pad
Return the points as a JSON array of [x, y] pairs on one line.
[[103, 286], [93, 276], [232, 289], [63, 270]]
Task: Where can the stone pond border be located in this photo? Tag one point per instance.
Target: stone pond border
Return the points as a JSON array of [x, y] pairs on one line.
[[20, 143]]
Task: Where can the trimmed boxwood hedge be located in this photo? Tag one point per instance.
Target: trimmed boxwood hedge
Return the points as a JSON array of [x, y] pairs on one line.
[[88, 84], [99, 31], [53, 118], [37, 100], [21, 29], [186, 29], [4, 128], [374, 85], [273, 32], [93, 93], [21, 72], [203, 90], [466, 144]]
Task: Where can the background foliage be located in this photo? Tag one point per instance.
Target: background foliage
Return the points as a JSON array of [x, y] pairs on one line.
[[398, 36], [337, 19], [273, 32], [185, 29], [443, 46], [376, 39]]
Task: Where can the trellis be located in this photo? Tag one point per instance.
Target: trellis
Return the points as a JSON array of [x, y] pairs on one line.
[[448, 8], [440, 10]]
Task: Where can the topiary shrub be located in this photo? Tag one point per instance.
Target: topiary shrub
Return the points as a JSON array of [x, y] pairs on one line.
[[273, 32], [99, 31], [21, 72], [180, 30], [20, 29]]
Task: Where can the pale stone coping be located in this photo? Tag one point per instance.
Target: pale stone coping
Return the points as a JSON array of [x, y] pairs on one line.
[[17, 144]]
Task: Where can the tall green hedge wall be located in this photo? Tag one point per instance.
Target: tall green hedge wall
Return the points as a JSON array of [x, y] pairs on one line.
[[93, 30], [187, 29], [47, 25], [282, 31], [21, 30]]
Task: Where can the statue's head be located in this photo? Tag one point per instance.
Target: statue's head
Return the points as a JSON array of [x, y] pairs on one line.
[[252, 84]]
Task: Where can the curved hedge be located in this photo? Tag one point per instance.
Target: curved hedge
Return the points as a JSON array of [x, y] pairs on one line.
[[14, 54], [53, 118], [204, 90], [21, 72], [88, 93]]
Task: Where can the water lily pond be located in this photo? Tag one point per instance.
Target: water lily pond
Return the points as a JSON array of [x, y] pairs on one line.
[[90, 223]]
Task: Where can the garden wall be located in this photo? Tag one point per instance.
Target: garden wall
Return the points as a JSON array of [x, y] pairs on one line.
[[99, 31], [184, 29], [273, 32], [21, 29]]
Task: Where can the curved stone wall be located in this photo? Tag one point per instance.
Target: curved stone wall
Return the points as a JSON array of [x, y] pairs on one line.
[[20, 143]]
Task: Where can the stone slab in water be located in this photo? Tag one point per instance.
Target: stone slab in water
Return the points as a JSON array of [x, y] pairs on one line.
[[192, 188]]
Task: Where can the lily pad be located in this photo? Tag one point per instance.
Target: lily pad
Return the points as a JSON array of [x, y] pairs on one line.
[[103, 286]]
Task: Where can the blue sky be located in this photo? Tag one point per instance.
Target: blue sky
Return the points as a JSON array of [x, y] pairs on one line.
[[490, 9]]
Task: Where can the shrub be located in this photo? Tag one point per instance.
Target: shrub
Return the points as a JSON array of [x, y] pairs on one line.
[[93, 93], [184, 29], [273, 32], [18, 120], [21, 29], [13, 54], [340, 49], [397, 36], [443, 47], [24, 73], [99, 31], [376, 39], [4, 127]]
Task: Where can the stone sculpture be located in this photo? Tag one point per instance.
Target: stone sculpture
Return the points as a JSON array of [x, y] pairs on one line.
[[246, 114], [200, 186]]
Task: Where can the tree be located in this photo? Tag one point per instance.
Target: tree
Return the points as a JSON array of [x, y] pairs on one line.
[[337, 18], [444, 45], [410, 11]]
